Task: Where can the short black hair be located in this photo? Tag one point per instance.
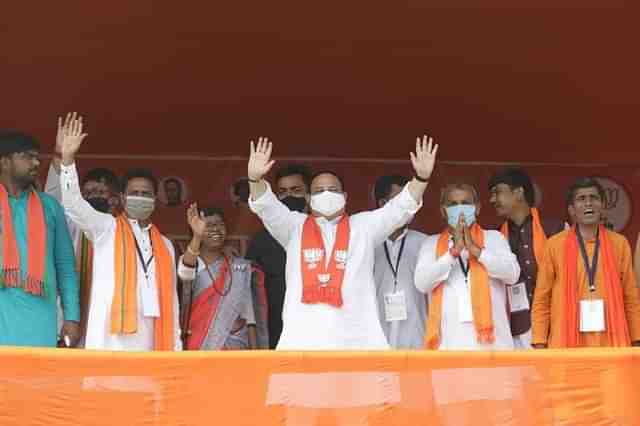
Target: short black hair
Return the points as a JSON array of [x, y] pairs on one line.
[[327, 172], [295, 169], [382, 187], [581, 183], [140, 173], [13, 141], [241, 189], [103, 175], [515, 178], [211, 211]]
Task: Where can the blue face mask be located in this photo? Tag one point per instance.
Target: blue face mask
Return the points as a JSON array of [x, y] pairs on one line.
[[453, 214]]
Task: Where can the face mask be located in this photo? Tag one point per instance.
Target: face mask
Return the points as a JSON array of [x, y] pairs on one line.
[[101, 204], [295, 204], [139, 208], [453, 214], [327, 203]]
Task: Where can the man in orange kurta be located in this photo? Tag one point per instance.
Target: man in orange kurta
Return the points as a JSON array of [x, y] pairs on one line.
[[556, 306]]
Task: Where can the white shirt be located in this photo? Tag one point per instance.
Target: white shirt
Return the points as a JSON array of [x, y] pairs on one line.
[[100, 229], [320, 326], [409, 333], [502, 267]]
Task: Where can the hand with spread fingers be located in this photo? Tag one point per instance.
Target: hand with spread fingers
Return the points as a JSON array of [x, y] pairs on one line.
[[424, 159], [195, 221], [260, 161], [71, 136]]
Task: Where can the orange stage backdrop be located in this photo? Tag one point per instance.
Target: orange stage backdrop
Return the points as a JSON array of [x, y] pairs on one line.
[[56, 387], [208, 180]]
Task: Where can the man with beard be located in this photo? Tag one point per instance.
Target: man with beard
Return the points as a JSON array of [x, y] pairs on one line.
[[512, 196], [292, 188], [37, 258], [133, 302], [224, 308], [330, 302], [586, 293], [101, 189]]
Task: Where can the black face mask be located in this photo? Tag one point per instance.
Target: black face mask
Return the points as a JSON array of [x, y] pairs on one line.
[[295, 204], [100, 203]]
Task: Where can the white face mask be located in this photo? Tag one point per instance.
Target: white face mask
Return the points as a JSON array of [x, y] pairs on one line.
[[327, 203], [139, 208]]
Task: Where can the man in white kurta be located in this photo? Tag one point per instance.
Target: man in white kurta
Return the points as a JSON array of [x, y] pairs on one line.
[[402, 331], [355, 324], [393, 272], [320, 326], [456, 332], [100, 187], [100, 229]]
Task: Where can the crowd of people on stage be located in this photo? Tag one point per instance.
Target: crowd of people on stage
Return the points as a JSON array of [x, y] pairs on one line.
[[83, 265]]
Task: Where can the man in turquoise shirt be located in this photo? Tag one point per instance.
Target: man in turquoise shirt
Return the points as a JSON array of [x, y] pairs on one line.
[[27, 305]]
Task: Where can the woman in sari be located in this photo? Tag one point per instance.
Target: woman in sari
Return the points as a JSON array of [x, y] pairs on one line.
[[225, 307]]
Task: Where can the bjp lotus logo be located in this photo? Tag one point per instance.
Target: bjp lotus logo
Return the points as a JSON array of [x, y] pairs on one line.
[[616, 203]]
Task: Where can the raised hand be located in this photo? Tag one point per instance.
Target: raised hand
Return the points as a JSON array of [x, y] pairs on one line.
[[71, 137], [195, 221], [260, 161], [424, 158], [62, 126]]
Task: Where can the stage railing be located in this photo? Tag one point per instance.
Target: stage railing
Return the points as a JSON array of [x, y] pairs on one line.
[[55, 387]]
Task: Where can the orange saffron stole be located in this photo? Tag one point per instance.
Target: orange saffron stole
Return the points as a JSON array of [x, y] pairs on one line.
[[313, 291], [124, 308], [616, 323], [36, 246], [480, 296], [539, 236]]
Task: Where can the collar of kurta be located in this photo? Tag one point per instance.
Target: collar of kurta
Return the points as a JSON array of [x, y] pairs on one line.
[[135, 223], [321, 220]]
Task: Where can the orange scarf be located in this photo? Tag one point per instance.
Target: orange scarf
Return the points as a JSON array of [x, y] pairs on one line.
[[616, 322], [36, 246], [539, 236], [480, 296], [321, 283], [124, 308]]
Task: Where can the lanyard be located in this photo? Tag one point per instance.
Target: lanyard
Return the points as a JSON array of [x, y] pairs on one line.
[[591, 269], [395, 271], [465, 269], [145, 265]]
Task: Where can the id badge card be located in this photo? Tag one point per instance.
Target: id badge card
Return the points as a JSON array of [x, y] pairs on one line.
[[395, 306], [592, 315], [150, 305], [518, 299], [465, 311]]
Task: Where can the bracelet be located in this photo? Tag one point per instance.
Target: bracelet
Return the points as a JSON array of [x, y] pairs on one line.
[[419, 179], [253, 181], [194, 253]]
